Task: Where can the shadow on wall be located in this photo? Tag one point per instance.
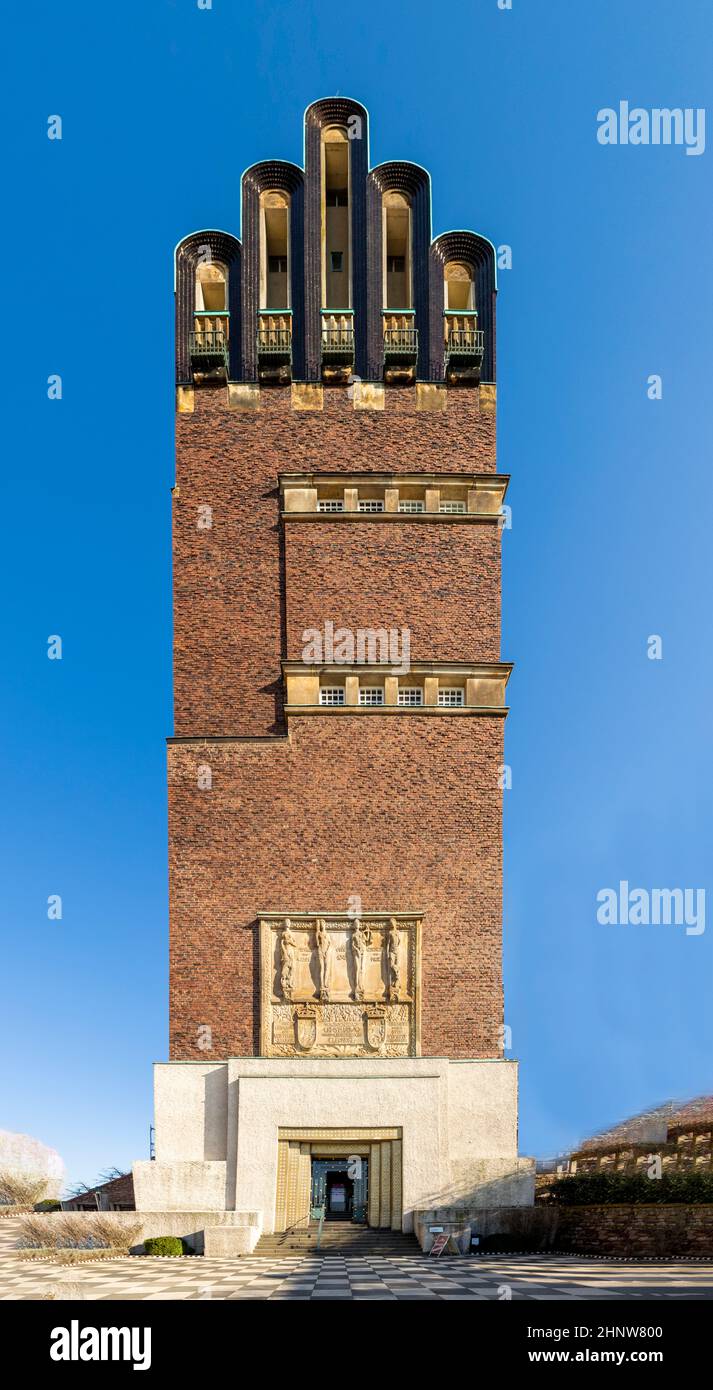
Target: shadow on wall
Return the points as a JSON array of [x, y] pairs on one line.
[[489, 1184], [216, 1111]]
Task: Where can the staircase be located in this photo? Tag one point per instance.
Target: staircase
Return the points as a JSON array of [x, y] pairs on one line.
[[338, 1238]]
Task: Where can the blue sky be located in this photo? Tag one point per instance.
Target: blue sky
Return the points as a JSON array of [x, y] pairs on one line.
[[163, 106]]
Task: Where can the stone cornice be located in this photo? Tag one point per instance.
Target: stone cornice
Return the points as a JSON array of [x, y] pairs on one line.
[[480, 495], [314, 478], [483, 686]]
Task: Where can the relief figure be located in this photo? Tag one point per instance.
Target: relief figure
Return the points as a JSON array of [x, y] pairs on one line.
[[288, 948], [325, 954], [361, 941]]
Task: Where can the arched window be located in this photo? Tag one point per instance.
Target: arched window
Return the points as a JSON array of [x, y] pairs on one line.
[[274, 250], [397, 251], [336, 240], [211, 322], [459, 288], [211, 288]]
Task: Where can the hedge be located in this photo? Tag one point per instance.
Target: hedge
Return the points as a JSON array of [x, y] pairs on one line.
[[595, 1189]]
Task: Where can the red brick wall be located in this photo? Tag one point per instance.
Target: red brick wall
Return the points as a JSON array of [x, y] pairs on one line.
[[439, 579], [404, 811], [229, 591]]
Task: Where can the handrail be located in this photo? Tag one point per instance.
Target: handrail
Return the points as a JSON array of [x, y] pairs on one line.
[[322, 1213]]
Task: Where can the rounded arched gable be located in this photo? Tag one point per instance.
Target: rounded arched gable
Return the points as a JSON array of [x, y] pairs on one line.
[[195, 249], [274, 175], [479, 253], [398, 176]]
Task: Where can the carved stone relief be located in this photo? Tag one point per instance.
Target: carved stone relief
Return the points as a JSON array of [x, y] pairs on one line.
[[340, 986]]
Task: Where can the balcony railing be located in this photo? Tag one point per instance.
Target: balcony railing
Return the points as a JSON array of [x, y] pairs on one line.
[[208, 345], [208, 342], [464, 341], [274, 337], [337, 336], [400, 337]]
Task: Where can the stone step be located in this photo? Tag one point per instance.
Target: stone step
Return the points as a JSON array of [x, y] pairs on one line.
[[340, 1241]]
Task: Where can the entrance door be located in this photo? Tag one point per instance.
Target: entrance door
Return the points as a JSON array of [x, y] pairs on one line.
[[340, 1187], [340, 1197]]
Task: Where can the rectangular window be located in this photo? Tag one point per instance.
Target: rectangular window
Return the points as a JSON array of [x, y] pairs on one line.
[[277, 265], [371, 694], [330, 504], [331, 695], [410, 695], [450, 696], [396, 265], [371, 505], [336, 197], [452, 508], [337, 260], [412, 508]]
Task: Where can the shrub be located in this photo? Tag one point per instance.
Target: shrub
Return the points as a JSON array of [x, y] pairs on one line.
[[594, 1189], [21, 1189], [47, 1205], [165, 1245]]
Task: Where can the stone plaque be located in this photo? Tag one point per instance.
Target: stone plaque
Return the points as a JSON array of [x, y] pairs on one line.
[[340, 986]]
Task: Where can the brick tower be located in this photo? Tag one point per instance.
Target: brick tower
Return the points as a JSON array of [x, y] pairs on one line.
[[335, 773]]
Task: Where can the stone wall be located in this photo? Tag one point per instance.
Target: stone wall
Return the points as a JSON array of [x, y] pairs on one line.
[[619, 1231], [189, 1225], [218, 1127]]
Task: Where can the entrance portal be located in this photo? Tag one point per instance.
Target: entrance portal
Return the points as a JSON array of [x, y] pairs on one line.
[[340, 1188], [345, 1174]]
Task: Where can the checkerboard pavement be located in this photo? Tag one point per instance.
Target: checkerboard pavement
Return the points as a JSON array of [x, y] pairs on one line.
[[377, 1279]]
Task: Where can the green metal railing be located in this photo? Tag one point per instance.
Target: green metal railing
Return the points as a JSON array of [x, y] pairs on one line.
[[465, 342], [401, 342], [338, 342], [209, 343], [274, 342]]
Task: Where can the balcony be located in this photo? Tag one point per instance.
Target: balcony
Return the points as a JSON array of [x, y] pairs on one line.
[[208, 346], [274, 345], [464, 345], [337, 344], [400, 346]]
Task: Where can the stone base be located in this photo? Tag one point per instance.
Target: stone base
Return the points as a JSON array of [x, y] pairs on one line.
[[228, 1242], [238, 1134], [193, 1185], [191, 1226]]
